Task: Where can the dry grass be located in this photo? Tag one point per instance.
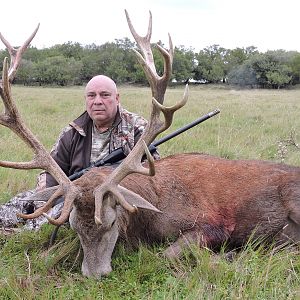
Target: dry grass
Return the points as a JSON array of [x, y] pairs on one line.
[[251, 125]]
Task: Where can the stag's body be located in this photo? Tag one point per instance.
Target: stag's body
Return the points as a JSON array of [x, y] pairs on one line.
[[204, 200]]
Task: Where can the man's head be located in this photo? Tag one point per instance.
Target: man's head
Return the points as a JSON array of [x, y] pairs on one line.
[[102, 100]]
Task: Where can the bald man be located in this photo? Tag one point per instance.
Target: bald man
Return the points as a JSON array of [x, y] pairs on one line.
[[102, 128]]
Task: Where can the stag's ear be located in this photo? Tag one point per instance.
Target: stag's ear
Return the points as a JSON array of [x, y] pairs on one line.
[[43, 195], [136, 200]]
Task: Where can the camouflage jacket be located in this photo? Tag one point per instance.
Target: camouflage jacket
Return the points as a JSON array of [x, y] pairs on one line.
[[72, 150]]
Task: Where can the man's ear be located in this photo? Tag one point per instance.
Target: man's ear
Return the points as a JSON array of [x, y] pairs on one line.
[[118, 98]]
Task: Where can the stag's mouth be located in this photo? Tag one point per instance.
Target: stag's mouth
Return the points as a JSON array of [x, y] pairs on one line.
[[95, 273]]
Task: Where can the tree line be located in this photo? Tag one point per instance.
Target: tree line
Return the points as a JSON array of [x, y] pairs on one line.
[[73, 64]]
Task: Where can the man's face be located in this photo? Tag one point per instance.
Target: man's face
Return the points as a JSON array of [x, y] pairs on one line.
[[102, 101]]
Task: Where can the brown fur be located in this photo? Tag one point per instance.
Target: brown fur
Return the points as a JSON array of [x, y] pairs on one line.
[[207, 200]]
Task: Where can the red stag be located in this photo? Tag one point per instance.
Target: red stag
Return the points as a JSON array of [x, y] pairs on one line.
[[192, 198]]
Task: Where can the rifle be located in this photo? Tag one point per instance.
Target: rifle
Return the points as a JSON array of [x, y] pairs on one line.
[[118, 154]]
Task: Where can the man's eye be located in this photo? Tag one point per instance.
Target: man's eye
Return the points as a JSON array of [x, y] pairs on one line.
[[105, 95]]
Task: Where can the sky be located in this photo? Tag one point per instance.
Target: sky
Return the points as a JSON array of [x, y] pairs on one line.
[[196, 24]]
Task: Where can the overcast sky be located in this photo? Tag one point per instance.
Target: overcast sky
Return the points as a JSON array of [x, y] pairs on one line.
[[265, 24]]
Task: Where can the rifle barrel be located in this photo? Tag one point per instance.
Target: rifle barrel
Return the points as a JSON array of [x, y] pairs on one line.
[[185, 128]]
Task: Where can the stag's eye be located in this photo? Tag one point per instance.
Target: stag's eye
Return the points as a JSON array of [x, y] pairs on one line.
[[113, 223]]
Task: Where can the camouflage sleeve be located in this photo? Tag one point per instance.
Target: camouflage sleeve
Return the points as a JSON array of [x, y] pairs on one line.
[[42, 177], [139, 127]]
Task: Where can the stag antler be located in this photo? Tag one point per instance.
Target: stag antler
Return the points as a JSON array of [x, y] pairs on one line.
[[11, 118], [16, 54], [158, 84], [132, 163]]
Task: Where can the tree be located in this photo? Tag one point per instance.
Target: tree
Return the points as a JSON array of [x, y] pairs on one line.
[[59, 70], [279, 77], [242, 75], [183, 64], [112, 61], [91, 64], [236, 57], [26, 73], [69, 50], [270, 70], [295, 67], [211, 64]]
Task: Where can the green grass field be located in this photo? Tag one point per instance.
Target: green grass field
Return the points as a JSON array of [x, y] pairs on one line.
[[253, 124]]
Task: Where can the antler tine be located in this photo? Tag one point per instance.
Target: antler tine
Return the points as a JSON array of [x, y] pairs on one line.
[[38, 212], [16, 54], [157, 83], [70, 191], [132, 163], [73, 192], [143, 42], [168, 112]]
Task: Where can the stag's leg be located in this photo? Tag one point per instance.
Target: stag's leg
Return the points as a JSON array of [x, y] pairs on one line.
[[187, 239], [291, 230]]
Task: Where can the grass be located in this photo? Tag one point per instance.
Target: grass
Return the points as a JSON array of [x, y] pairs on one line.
[[250, 126]]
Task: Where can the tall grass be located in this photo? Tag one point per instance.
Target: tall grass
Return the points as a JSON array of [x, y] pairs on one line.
[[250, 126]]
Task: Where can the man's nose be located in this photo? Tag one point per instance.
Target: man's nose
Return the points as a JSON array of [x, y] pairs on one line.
[[98, 99]]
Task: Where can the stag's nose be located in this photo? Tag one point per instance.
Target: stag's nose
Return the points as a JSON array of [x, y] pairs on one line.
[[96, 273]]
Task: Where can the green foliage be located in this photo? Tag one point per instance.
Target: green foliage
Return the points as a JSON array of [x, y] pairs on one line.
[[294, 64], [270, 70], [211, 64], [71, 63], [279, 77], [59, 70], [69, 50], [183, 64], [243, 75], [27, 73]]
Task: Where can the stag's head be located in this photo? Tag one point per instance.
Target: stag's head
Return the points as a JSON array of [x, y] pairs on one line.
[[98, 233], [97, 241], [95, 203]]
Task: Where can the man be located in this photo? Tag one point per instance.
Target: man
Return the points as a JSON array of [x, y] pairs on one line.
[[102, 128]]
